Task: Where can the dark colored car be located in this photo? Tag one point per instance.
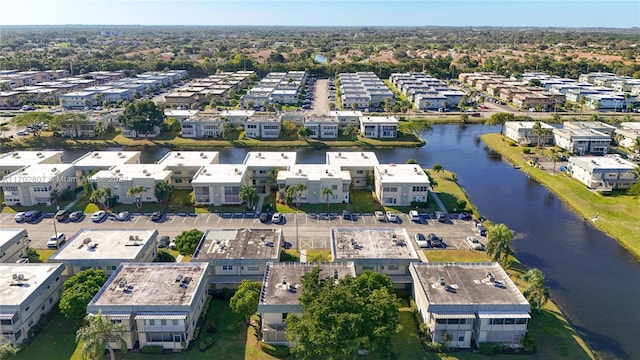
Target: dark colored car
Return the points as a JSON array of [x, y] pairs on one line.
[[76, 216], [265, 218], [62, 215], [33, 216], [434, 240], [164, 241], [157, 216]]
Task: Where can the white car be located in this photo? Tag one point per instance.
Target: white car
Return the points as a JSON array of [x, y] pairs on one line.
[[392, 217], [19, 217], [421, 240], [414, 215], [276, 218], [379, 215], [99, 216], [474, 243], [56, 240]]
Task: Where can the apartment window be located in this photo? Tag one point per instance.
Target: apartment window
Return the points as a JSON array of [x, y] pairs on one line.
[[496, 322], [163, 322], [5, 322], [441, 321], [360, 172], [152, 322], [390, 189], [253, 267], [419, 188], [461, 337], [178, 181], [521, 321], [509, 321], [227, 267], [393, 267], [334, 187], [389, 200], [284, 316]]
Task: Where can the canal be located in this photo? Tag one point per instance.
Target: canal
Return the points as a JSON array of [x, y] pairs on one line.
[[594, 280]]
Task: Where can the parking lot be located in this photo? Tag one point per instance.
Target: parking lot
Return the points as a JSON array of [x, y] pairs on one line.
[[300, 230]]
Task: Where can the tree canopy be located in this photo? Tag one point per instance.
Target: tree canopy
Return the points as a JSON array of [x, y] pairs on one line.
[[340, 318], [499, 119], [499, 244], [245, 301], [537, 292], [142, 116], [6, 349], [98, 335], [78, 291], [34, 120], [163, 191], [187, 241]]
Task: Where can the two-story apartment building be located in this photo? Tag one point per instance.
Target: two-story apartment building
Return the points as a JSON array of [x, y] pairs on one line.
[[158, 303], [323, 127], [16, 160], [379, 127], [388, 251], [185, 164], [219, 184], [471, 303], [14, 244], [593, 125], [400, 184], [237, 254], [628, 135], [27, 291], [263, 127], [263, 167], [582, 141], [78, 99], [280, 293], [37, 184], [202, 126], [105, 249], [346, 117], [322, 183], [102, 160], [522, 132], [360, 165], [120, 178], [602, 172]]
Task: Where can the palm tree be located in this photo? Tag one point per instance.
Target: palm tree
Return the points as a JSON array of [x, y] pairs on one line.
[[498, 246], [537, 293], [582, 101], [537, 130], [6, 349], [437, 168], [105, 194], [326, 193], [351, 131], [298, 189], [555, 158], [272, 179], [98, 334], [135, 192], [99, 129], [248, 194]]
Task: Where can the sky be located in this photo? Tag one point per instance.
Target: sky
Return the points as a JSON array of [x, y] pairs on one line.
[[510, 13]]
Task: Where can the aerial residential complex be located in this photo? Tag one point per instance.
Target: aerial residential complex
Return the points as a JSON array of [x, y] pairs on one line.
[[362, 90], [276, 87], [426, 92]]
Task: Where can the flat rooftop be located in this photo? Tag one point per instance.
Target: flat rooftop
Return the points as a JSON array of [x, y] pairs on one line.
[[587, 125], [126, 172], [371, 243], [402, 173], [467, 283], [581, 133], [527, 124], [283, 285], [38, 174], [220, 174], [106, 159], [240, 243], [602, 163], [347, 159], [139, 284], [355, 113], [8, 236], [247, 113], [379, 119], [189, 158], [630, 125], [23, 158], [314, 172], [271, 159], [95, 244], [15, 292]]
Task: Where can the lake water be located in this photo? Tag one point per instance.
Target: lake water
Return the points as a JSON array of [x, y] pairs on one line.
[[593, 279], [319, 58]]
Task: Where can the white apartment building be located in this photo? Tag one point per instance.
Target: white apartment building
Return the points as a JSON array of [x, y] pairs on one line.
[[379, 127], [202, 127], [628, 135], [237, 254], [158, 303], [37, 184], [388, 251], [103, 160], [360, 165], [346, 117], [16, 160], [28, 291], [105, 249], [236, 117], [280, 293], [316, 178], [602, 172], [116, 95], [400, 184], [323, 127], [260, 165], [185, 164], [263, 127], [219, 184], [593, 125], [582, 141], [522, 133], [78, 99], [471, 302], [14, 244], [120, 178]]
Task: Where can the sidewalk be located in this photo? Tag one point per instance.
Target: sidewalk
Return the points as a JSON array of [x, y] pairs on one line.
[[440, 204], [261, 198], [74, 202]]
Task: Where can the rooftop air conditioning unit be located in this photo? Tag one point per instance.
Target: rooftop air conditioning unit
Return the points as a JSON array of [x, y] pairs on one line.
[[144, 171], [15, 154], [96, 154], [54, 170]]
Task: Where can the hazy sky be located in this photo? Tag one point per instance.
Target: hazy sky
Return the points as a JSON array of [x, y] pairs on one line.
[[559, 13]]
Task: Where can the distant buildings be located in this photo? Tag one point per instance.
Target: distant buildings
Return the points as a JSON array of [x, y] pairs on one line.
[[362, 90], [426, 92], [276, 87]]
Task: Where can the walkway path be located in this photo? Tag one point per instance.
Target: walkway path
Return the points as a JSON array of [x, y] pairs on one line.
[[74, 202], [440, 204], [261, 198]]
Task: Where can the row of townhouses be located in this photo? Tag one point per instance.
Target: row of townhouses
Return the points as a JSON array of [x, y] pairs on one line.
[[362, 90], [31, 178], [160, 303], [212, 88], [276, 87], [426, 92]]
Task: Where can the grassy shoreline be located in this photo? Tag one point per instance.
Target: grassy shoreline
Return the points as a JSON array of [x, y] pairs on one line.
[[618, 216]]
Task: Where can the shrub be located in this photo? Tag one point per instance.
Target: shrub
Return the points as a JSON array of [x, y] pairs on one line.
[[433, 346], [151, 349], [526, 151], [487, 348], [279, 351], [511, 143], [528, 344]]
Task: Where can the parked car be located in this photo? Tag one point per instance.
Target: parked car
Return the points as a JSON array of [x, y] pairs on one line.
[[265, 217], [22, 260], [421, 240], [123, 216], [391, 216], [33, 216], [19, 217], [347, 215], [56, 240], [434, 240], [442, 217], [474, 243], [276, 218], [99, 216], [414, 215], [164, 241], [172, 245], [157, 216], [76, 216], [482, 231], [62, 215]]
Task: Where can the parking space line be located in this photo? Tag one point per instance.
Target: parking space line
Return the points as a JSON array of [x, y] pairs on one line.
[[138, 218], [185, 219]]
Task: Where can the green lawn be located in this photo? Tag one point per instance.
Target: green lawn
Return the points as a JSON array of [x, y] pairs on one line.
[[57, 341], [618, 215]]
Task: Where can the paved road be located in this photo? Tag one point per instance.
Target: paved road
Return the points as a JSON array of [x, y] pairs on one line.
[[303, 236], [321, 101]]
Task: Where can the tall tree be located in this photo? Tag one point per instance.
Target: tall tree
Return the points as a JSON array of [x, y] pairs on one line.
[[98, 334], [298, 189], [437, 168], [163, 191], [79, 289], [305, 132], [499, 244], [248, 194], [136, 193], [142, 116], [351, 131], [499, 119], [341, 317], [536, 292], [188, 240], [227, 129], [326, 193], [100, 128], [245, 301], [70, 123], [34, 120]]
